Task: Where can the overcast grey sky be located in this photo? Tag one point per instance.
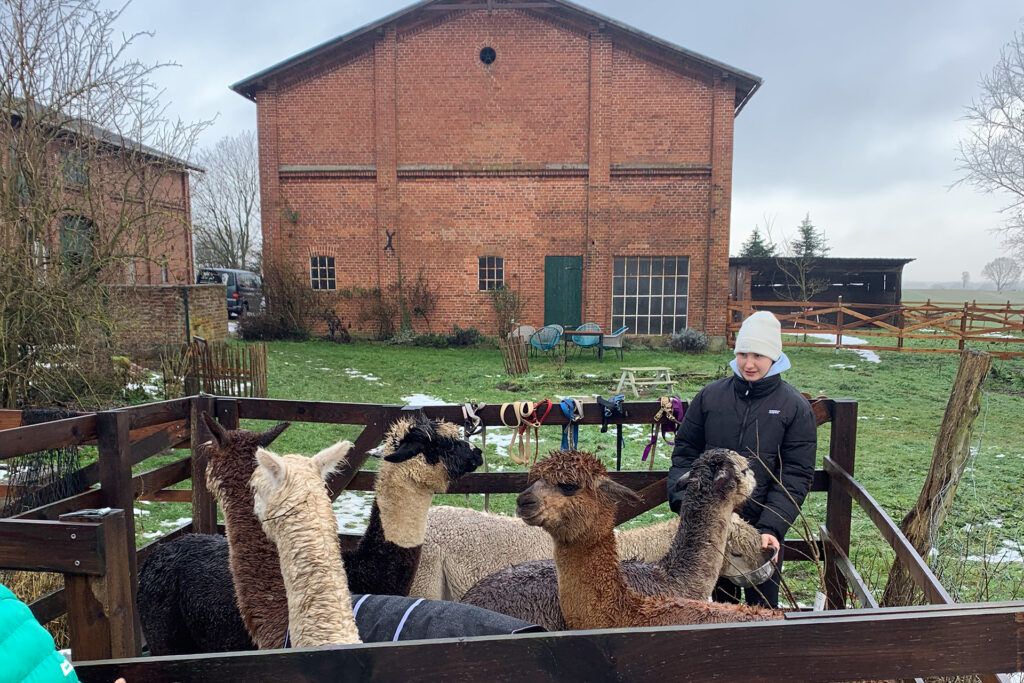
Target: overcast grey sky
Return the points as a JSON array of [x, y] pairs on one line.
[[856, 123]]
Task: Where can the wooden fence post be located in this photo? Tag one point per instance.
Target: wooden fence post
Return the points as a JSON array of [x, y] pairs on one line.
[[102, 618], [839, 506], [839, 323], [204, 506], [115, 460]]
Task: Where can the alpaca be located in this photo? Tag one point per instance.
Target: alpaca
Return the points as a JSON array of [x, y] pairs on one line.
[[710, 540], [572, 498], [420, 458], [290, 501], [463, 545], [186, 597]]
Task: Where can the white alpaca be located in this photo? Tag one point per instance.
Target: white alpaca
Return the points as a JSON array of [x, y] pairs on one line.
[[292, 504]]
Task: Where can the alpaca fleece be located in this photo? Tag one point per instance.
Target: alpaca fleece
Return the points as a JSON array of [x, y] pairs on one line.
[[572, 498], [252, 569], [291, 502], [709, 538], [462, 545]]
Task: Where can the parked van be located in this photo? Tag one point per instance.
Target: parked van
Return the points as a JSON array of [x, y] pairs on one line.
[[245, 288]]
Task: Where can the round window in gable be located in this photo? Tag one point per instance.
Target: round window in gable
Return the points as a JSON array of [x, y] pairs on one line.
[[488, 55]]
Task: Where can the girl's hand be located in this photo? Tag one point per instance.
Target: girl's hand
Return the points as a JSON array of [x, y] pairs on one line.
[[769, 541]]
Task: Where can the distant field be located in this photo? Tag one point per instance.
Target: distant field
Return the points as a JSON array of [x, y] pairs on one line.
[[958, 296]]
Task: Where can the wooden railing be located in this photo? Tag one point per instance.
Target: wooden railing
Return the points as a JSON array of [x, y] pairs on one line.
[[96, 554], [935, 328]]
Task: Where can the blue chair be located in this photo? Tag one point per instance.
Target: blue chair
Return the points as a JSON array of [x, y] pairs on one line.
[[546, 338], [614, 340], [587, 341]]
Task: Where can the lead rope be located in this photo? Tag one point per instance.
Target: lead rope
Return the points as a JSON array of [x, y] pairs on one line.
[[520, 410], [572, 408], [535, 420], [665, 420]]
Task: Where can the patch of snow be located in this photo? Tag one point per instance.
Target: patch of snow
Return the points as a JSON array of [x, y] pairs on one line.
[[1010, 552], [352, 510], [140, 511], [232, 327], [423, 400], [176, 522], [589, 375], [1000, 455], [869, 356], [996, 335], [842, 366], [356, 373], [151, 534], [325, 369]]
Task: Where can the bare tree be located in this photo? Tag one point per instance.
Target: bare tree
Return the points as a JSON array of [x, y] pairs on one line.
[[965, 279], [800, 262], [992, 154], [1003, 272], [87, 180], [226, 204]]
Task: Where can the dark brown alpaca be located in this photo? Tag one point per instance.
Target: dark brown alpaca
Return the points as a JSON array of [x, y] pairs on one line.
[[572, 498]]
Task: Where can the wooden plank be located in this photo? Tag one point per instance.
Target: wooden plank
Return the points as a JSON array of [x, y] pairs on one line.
[[142, 553], [148, 483], [862, 645], [171, 435], [157, 413], [839, 506], [44, 545], [853, 577], [9, 418], [121, 583], [102, 618], [369, 438], [921, 573], [204, 506], [57, 434], [87, 499], [49, 607], [305, 411]]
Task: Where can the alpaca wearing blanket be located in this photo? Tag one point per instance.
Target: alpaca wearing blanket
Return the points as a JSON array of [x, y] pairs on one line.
[[572, 498], [710, 539], [290, 501], [430, 455]]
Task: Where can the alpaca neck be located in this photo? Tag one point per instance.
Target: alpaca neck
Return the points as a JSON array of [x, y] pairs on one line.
[[319, 604], [403, 508], [255, 570], [591, 588], [698, 547]]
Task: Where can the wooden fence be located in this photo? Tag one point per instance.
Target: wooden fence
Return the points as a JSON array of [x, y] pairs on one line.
[[95, 551], [226, 369], [935, 328]]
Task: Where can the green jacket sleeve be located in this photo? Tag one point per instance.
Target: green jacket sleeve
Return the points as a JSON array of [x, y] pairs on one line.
[[26, 648]]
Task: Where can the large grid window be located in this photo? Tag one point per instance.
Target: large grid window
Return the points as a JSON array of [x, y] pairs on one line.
[[73, 164], [492, 272], [321, 272], [649, 293]]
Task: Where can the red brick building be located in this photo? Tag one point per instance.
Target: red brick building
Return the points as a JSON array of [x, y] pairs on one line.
[[537, 145]]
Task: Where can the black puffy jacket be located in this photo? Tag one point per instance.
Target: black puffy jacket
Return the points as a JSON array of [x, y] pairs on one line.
[[768, 421]]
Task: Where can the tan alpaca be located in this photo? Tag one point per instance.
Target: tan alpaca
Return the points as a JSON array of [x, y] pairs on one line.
[[572, 498], [291, 502]]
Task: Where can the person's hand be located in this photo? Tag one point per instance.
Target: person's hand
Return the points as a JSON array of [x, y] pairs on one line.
[[769, 541]]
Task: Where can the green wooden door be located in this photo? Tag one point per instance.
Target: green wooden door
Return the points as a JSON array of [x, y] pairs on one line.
[[563, 290]]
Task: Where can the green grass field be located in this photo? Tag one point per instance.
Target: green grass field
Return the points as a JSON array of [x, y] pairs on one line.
[[901, 403], [959, 296]]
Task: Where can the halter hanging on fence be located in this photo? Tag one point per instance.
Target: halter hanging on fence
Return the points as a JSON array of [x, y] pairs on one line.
[[613, 407], [572, 408], [526, 415], [667, 421]]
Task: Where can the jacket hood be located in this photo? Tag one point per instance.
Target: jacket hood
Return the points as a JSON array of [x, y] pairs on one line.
[[778, 367]]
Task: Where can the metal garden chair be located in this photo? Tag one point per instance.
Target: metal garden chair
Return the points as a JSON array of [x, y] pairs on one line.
[[587, 341], [546, 338]]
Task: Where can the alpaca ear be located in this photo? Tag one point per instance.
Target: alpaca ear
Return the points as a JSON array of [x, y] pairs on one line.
[[620, 493], [409, 448], [327, 459], [272, 464], [267, 437], [220, 434]]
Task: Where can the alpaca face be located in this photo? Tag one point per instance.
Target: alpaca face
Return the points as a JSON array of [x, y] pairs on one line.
[[231, 455], [571, 495], [723, 474], [282, 484], [435, 454]]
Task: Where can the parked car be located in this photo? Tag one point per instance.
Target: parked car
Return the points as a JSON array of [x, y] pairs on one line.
[[244, 288]]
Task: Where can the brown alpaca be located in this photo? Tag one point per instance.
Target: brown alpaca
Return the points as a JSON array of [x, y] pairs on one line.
[[572, 498], [291, 502]]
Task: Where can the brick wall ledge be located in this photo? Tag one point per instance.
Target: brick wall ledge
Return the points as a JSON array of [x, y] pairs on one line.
[[619, 170], [496, 170]]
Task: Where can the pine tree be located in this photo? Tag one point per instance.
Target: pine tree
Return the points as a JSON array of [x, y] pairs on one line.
[[810, 242], [756, 246]]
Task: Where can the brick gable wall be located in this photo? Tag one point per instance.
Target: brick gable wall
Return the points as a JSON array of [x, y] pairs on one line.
[[567, 145]]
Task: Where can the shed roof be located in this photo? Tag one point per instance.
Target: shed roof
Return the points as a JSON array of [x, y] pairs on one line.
[[765, 263], [746, 83]]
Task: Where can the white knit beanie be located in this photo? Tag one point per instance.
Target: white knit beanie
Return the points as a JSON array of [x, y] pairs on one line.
[[760, 333]]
